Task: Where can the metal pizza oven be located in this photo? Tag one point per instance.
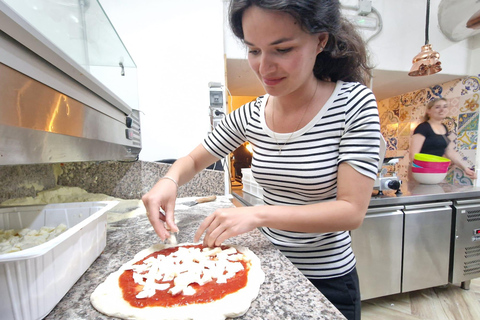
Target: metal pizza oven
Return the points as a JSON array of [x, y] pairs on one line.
[[52, 107]]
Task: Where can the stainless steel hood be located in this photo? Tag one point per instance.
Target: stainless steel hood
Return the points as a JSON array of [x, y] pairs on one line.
[[51, 109]]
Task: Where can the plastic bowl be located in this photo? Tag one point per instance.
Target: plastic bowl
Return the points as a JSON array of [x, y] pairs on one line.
[[429, 170], [429, 178], [429, 157], [433, 165]]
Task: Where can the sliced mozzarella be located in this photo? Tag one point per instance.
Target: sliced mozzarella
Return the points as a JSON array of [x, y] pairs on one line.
[[221, 279], [145, 293], [175, 290], [234, 267], [211, 252], [206, 278], [184, 267], [189, 291]]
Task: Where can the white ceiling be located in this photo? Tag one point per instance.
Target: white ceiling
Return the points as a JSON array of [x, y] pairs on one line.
[[242, 81], [452, 16]]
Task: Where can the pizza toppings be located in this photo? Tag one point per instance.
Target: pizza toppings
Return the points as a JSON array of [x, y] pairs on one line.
[[16, 240], [185, 271], [217, 291]]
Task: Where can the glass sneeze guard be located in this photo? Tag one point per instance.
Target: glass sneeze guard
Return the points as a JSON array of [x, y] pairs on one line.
[[82, 30]]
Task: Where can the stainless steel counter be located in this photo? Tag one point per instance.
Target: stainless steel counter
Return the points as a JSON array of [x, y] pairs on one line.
[[406, 240], [411, 193]]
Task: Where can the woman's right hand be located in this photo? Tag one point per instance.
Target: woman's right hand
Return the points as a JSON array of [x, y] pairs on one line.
[[470, 173], [161, 198]]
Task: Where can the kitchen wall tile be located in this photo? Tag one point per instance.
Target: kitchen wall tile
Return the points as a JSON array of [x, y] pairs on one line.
[[451, 123], [468, 121], [470, 103], [404, 129], [454, 106], [400, 115], [403, 143], [470, 85]]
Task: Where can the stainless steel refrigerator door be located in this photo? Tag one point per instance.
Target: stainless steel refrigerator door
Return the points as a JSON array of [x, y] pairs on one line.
[[377, 245], [466, 241], [426, 245]]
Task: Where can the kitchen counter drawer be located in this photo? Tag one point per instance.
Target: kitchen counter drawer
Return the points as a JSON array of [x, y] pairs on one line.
[[377, 245], [426, 249]]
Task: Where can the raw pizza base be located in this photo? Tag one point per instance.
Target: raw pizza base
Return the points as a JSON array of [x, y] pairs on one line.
[[108, 299]]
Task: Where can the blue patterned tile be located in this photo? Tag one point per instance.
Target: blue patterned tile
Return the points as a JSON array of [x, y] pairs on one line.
[[467, 121], [467, 140], [471, 84], [460, 178], [437, 91], [392, 143]]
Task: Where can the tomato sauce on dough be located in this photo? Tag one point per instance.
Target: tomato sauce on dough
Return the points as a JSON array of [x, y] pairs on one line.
[[209, 292]]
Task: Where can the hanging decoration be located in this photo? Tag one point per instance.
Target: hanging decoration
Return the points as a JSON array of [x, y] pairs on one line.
[[427, 62]]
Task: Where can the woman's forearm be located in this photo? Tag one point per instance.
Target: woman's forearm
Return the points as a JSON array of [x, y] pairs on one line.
[[185, 168], [416, 145], [455, 157], [316, 218]]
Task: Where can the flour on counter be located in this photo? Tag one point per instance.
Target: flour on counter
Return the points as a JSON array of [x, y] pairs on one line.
[[16, 240], [126, 209]]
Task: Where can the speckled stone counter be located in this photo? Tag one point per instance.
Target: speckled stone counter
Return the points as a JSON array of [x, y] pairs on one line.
[[126, 180], [285, 294]]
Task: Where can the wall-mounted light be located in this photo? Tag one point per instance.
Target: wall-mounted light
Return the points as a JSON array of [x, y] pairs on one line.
[[427, 61]]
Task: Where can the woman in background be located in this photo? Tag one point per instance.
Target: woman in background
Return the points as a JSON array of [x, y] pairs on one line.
[[432, 136], [315, 138]]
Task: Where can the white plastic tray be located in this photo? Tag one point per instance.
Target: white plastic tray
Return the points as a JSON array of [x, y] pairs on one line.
[[253, 188], [34, 280]]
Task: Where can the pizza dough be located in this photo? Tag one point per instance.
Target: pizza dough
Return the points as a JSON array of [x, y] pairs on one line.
[[108, 296]]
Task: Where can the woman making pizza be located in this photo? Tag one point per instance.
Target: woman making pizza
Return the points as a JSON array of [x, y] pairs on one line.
[[315, 137], [432, 136]]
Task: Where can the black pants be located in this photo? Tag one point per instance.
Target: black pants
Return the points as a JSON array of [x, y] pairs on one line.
[[343, 292]]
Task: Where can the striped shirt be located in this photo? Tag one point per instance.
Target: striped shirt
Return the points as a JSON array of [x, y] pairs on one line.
[[346, 129]]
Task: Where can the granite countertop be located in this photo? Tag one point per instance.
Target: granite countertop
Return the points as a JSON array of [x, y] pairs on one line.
[[285, 294]]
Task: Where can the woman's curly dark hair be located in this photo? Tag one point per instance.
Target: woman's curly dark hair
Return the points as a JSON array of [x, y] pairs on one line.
[[344, 56]]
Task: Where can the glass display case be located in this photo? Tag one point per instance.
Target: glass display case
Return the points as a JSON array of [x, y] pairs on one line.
[[68, 86], [82, 30]]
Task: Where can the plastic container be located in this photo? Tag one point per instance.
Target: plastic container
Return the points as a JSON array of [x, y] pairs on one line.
[[428, 170], [429, 157], [34, 280], [247, 174], [429, 178], [430, 164], [253, 188]]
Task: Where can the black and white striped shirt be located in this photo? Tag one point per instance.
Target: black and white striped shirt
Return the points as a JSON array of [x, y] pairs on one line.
[[346, 129]]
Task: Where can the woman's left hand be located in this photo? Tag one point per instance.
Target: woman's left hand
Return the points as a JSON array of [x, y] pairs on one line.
[[225, 223]]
